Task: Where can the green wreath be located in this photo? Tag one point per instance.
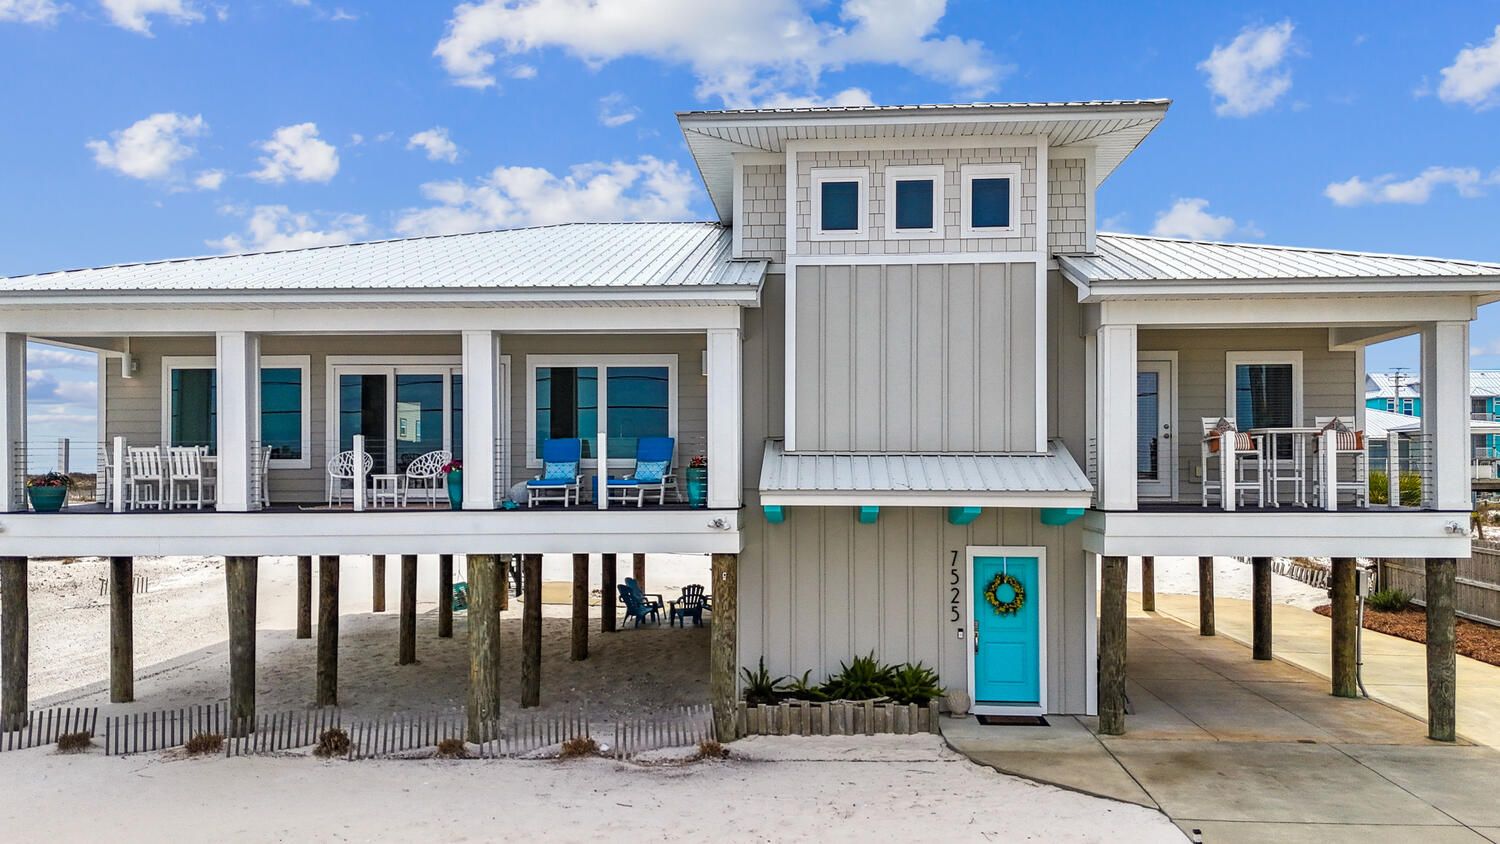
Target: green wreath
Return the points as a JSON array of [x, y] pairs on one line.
[[1018, 599]]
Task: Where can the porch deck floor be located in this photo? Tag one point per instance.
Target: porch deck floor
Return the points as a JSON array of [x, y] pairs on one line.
[[1157, 506], [96, 508]]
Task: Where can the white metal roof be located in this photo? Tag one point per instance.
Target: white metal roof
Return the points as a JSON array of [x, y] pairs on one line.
[[1113, 128], [1379, 423], [1484, 383], [1038, 480], [1382, 385], [1138, 258], [588, 256]]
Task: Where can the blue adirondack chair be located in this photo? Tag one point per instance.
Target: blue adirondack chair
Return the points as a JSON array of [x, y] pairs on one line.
[[652, 600], [652, 473], [560, 461], [689, 604], [636, 607]]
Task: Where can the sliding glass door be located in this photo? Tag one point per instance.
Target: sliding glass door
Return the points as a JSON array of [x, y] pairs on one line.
[[403, 412]]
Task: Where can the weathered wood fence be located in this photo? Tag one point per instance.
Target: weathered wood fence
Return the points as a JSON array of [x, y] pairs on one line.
[[44, 726], [400, 733], [1477, 593], [687, 726], [143, 732], [839, 718], [278, 731]]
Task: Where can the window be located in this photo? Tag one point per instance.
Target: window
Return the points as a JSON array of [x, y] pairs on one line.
[[190, 406], [914, 202], [839, 203], [404, 407], [990, 199], [627, 396], [1265, 391]]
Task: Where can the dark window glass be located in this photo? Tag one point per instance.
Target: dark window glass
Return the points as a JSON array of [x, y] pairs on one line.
[[195, 408], [914, 204], [991, 203], [456, 418], [362, 410], [419, 416], [1263, 399], [1148, 421], [281, 412], [567, 405], [840, 206], [639, 397]]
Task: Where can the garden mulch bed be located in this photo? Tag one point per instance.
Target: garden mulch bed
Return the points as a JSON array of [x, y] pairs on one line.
[[1475, 640]]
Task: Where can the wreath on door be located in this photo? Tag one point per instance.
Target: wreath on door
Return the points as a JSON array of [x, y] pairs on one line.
[[1018, 594]]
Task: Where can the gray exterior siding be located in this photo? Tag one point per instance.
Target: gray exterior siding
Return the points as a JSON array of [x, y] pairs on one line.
[[761, 217], [901, 357], [1069, 196]]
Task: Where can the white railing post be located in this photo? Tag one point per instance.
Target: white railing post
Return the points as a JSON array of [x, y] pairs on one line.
[[1393, 469], [117, 469], [485, 456], [64, 462], [359, 473], [1330, 460], [1229, 469], [601, 477]]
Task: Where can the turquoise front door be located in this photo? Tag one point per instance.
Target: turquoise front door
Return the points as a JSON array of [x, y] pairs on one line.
[[1007, 646]]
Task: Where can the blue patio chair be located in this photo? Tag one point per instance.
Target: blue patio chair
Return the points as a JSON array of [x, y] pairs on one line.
[[652, 600], [636, 607], [688, 605], [653, 473], [560, 461]]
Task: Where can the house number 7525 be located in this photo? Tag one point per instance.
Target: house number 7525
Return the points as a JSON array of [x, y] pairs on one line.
[[953, 581]]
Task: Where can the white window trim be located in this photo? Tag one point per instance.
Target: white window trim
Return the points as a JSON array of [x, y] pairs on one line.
[[966, 176], [602, 362], [1235, 359], [300, 362], [819, 175], [928, 172]]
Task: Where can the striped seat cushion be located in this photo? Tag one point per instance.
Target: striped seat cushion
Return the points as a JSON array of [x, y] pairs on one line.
[[1242, 441]]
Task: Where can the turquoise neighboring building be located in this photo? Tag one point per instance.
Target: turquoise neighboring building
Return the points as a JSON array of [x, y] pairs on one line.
[[1402, 393]]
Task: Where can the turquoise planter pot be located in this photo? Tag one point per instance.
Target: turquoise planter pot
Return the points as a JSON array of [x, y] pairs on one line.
[[456, 489], [47, 499], [697, 487]]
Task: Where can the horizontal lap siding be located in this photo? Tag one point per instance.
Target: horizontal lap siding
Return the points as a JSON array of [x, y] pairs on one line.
[[924, 357], [1331, 386]]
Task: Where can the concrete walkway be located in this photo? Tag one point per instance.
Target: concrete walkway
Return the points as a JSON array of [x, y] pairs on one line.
[[1253, 751]]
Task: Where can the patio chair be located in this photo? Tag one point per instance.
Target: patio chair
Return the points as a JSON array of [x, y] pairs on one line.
[[1348, 443], [426, 474], [340, 471], [652, 473], [652, 600], [636, 607], [106, 476], [1233, 479], [145, 477], [185, 481], [689, 604], [262, 475], [560, 461]]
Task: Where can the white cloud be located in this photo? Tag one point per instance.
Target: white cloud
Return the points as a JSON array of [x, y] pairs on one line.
[[1467, 181], [1247, 75], [742, 51], [44, 387], [846, 97], [1190, 218], [152, 147], [29, 11], [276, 227], [523, 71], [645, 189], [614, 110], [209, 180], [436, 142], [296, 152], [135, 15], [1474, 77], [53, 356]]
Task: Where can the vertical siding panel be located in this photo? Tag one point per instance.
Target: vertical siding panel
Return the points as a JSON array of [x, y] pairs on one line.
[[994, 358], [900, 353], [930, 343], [810, 525], [837, 373], [1022, 377], [895, 564], [959, 341], [809, 357], [755, 617], [865, 613], [838, 586], [868, 381]]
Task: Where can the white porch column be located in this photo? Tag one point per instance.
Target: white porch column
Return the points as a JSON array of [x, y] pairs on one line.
[[725, 396], [482, 434], [1116, 345], [238, 386], [13, 421], [1445, 412]]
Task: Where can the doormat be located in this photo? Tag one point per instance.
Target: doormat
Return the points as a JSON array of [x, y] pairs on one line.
[[1012, 721]]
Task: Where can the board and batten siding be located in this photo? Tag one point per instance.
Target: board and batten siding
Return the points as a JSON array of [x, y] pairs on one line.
[[916, 357], [1331, 382]]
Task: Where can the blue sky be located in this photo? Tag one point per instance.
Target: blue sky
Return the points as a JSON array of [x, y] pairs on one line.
[[139, 129]]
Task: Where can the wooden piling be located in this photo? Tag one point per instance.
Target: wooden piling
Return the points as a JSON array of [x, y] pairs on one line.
[[1441, 659], [580, 607], [377, 577], [1205, 596], [240, 577], [1260, 607], [328, 631], [1148, 584], [1345, 622], [14, 643], [607, 594], [1112, 646], [531, 631], [638, 569], [723, 648], [485, 584], [121, 629], [408, 632], [505, 563], [445, 595], [304, 597]]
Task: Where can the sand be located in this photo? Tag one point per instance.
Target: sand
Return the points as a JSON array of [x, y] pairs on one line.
[[885, 788], [1179, 576]]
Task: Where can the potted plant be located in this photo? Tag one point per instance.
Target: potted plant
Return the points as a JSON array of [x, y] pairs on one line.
[[48, 492], [453, 471], [697, 481]]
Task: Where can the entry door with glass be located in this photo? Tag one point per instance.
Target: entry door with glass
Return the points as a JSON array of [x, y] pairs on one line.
[[1156, 422]]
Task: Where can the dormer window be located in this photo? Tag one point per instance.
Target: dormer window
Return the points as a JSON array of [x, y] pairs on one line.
[[840, 203], [913, 202], [991, 194]]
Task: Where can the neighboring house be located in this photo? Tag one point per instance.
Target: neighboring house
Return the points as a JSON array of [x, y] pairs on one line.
[[1394, 393], [918, 374], [1484, 403]]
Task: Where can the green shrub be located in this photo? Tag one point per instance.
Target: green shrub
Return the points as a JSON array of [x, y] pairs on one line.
[[1388, 600], [802, 689], [760, 686], [1411, 489], [862, 678], [913, 684]]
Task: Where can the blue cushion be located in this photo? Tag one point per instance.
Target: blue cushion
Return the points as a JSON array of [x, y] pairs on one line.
[[624, 482], [550, 482], [559, 471], [651, 471]]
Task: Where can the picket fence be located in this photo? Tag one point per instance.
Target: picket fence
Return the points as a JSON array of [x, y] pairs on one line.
[[45, 726], [143, 732], [837, 718]]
